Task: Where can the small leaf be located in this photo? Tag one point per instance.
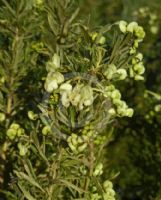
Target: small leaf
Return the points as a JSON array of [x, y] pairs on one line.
[[29, 169], [8, 194], [26, 193], [9, 7], [23, 176], [70, 185]]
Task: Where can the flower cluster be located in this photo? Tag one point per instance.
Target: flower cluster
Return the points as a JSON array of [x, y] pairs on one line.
[[98, 169], [80, 96], [120, 107], [134, 29], [15, 130], [54, 77], [77, 144], [137, 68], [111, 72], [109, 192], [100, 139], [81, 93], [94, 36], [54, 99], [94, 194], [89, 131]]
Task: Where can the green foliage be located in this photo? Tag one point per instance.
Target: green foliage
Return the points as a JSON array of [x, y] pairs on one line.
[[63, 78], [137, 141], [134, 152]]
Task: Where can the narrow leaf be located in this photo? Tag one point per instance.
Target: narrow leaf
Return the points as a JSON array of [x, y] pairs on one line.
[[22, 175], [26, 193], [68, 184]]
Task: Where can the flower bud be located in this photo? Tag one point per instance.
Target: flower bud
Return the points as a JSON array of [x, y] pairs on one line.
[[110, 88], [66, 87], [75, 95], [95, 196], [131, 72], [157, 108], [80, 140], [136, 44], [102, 40], [11, 133], [82, 147], [110, 192], [20, 132], [123, 104], [74, 141], [122, 74], [2, 117], [94, 35], [65, 99], [32, 115], [112, 111], [80, 106], [83, 170], [46, 130], [15, 126], [132, 26], [87, 95], [121, 111], [116, 94], [106, 196], [76, 100], [51, 85], [110, 71], [88, 102], [153, 16], [22, 149], [139, 32], [129, 112], [73, 135], [90, 133], [98, 169], [139, 56], [132, 50], [107, 184], [39, 2], [139, 78], [139, 68], [134, 61], [154, 29], [73, 148], [54, 64], [123, 26], [2, 79], [85, 138], [59, 77], [117, 102]]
